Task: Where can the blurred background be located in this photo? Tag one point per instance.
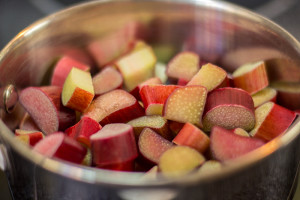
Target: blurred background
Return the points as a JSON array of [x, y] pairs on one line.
[[16, 15]]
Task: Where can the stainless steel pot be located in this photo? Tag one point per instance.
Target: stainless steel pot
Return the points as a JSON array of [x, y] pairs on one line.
[[221, 33]]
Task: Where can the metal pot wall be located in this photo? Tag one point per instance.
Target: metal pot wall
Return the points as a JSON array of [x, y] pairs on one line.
[[221, 33]]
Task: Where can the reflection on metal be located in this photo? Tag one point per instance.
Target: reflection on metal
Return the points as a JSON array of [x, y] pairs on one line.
[[10, 98]]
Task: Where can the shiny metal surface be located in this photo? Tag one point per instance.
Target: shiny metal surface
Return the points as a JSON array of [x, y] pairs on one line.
[[221, 33]]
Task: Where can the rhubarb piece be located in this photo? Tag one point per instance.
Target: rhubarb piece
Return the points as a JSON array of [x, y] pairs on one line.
[[179, 161], [151, 81], [210, 76], [63, 68], [106, 80], [184, 65], [186, 104], [151, 174], [226, 145], [155, 122], [83, 129], [175, 127], [288, 94], [44, 106], [210, 166], [58, 145], [241, 132], [27, 123], [182, 82], [111, 47], [87, 161], [29, 137], [113, 146], [137, 66], [251, 77], [193, 137], [160, 72], [154, 97], [117, 106], [152, 145], [78, 90], [272, 120], [229, 108], [119, 166], [264, 95]]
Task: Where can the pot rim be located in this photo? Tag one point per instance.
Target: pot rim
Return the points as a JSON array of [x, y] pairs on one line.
[[107, 177]]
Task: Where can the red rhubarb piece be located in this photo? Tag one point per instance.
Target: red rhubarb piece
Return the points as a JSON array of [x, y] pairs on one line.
[[116, 106], [58, 145], [271, 121], [226, 145], [113, 144], [229, 108]]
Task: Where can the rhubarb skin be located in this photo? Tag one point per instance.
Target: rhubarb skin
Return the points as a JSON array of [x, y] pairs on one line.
[[272, 120], [83, 129], [116, 106], [152, 145], [29, 137], [114, 143], [107, 80], [193, 137], [186, 104], [251, 77], [184, 65], [154, 97], [288, 94], [226, 145], [44, 106], [63, 68], [230, 108], [211, 77], [151, 81], [59, 145]]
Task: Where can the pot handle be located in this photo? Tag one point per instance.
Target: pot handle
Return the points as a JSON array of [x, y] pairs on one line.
[[9, 98]]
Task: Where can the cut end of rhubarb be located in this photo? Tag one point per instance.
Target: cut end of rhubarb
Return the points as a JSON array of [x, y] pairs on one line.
[[209, 76], [229, 117], [106, 80], [186, 104], [152, 145], [229, 108], [40, 108], [179, 161], [184, 65], [264, 95]]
